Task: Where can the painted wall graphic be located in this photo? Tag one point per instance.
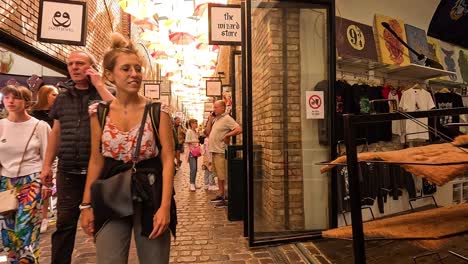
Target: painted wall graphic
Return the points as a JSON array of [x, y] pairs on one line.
[[449, 61], [355, 40], [417, 40], [463, 64], [391, 50], [434, 49]]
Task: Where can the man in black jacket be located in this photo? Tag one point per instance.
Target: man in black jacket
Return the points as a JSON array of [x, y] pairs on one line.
[[70, 141]]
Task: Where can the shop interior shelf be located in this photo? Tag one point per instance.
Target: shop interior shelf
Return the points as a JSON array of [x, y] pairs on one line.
[[414, 71], [359, 64], [407, 72], [447, 83]]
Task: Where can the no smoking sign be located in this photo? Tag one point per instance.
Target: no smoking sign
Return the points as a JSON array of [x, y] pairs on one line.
[[314, 103]]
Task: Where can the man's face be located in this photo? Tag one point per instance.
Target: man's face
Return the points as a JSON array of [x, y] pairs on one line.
[[218, 108], [77, 64], [177, 121]]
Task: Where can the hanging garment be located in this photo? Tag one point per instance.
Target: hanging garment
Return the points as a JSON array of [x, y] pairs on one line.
[[424, 156], [416, 100], [447, 101]]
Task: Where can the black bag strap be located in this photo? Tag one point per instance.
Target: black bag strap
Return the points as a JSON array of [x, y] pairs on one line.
[[102, 111], [140, 133], [155, 117]]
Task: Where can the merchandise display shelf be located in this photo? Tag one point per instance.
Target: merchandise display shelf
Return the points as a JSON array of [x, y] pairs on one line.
[[447, 83], [414, 71], [407, 72], [359, 64]]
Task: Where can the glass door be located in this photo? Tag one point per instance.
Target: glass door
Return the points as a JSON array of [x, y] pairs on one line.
[[289, 52]]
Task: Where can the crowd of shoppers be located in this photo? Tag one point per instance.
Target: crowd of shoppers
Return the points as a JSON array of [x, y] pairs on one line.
[[62, 126]]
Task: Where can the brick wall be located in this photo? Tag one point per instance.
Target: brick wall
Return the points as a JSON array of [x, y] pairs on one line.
[[268, 119], [20, 19]]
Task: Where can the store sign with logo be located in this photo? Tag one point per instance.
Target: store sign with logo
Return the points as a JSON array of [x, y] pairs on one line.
[[224, 24], [62, 22]]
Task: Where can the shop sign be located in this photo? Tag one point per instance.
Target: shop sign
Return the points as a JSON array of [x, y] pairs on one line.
[[224, 24], [151, 90], [314, 105], [62, 22], [213, 87]]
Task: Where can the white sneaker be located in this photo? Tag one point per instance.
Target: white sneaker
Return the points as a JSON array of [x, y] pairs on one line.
[[44, 225], [192, 187]]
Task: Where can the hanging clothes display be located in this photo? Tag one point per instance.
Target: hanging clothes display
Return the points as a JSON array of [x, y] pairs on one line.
[[357, 99], [416, 99], [446, 101]]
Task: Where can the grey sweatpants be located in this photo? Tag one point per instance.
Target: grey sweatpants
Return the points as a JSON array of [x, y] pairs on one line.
[[113, 242]]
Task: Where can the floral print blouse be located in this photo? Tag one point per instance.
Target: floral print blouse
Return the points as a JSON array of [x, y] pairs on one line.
[[120, 145]]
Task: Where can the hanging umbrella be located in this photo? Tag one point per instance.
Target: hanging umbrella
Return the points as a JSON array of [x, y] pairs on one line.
[[148, 23], [200, 9], [203, 37], [201, 46], [158, 54], [181, 38], [205, 46], [151, 36]]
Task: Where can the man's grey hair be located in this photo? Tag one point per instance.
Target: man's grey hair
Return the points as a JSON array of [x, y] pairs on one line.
[[222, 103], [90, 56]]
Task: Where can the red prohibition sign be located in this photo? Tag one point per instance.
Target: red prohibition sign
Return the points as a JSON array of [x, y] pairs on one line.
[[315, 102]]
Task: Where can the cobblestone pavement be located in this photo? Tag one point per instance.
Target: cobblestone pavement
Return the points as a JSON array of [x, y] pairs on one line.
[[204, 235]]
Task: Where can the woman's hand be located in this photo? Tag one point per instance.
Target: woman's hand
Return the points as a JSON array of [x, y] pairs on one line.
[[87, 221], [46, 176], [92, 108], [46, 192], [161, 221]]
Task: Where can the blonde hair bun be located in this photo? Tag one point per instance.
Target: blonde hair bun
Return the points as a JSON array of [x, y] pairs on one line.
[[120, 42]]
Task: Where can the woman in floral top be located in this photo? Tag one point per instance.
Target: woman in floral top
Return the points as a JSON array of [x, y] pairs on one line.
[[112, 146]]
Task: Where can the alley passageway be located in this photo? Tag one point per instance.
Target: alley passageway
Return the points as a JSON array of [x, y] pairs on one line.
[[204, 235]]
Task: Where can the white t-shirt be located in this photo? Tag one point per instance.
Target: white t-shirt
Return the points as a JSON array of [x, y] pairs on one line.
[[221, 126], [416, 100], [396, 124], [13, 139]]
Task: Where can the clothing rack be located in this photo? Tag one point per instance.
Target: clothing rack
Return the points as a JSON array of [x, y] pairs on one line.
[[350, 123]]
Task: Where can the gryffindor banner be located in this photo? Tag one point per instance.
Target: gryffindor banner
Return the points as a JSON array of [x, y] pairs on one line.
[[391, 51]]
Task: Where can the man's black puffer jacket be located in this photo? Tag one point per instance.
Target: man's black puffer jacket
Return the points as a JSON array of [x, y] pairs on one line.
[[71, 109]]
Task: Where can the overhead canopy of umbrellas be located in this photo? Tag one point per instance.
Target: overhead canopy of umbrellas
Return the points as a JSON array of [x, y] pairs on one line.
[[175, 32]]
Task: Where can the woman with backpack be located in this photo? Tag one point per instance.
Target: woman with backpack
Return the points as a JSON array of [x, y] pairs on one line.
[[126, 122]]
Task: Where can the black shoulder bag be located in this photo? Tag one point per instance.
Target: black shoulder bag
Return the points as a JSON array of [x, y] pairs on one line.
[[113, 196]]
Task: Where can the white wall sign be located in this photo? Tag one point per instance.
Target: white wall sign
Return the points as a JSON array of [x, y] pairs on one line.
[[315, 105], [225, 24], [213, 88], [208, 106], [62, 22], [151, 90]]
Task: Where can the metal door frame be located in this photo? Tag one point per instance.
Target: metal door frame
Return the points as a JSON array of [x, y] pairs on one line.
[[248, 150]]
